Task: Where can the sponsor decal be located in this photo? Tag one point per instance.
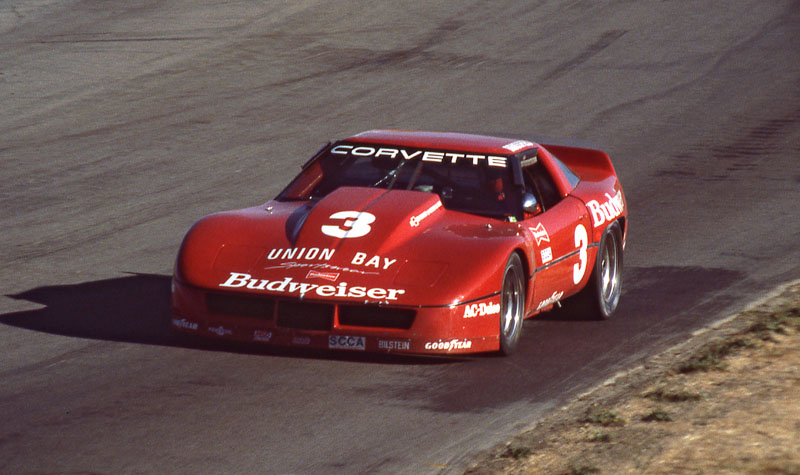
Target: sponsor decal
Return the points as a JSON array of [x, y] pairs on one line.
[[300, 254], [415, 220], [262, 335], [331, 276], [449, 345], [220, 330], [540, 233], [354, 224], [481, 309], [341, 342], [550, 300], [547, 255], [319, 265], [301, 340], [185, 324], [360, 259], [514, 147], [289, 286], [426, 155], [394, 345], [608, 210]]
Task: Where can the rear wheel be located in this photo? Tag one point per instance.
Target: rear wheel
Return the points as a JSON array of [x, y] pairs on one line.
[[512, 304], [600, 297]]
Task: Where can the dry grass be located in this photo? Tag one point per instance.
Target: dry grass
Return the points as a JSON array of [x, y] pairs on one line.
[[730, 405]]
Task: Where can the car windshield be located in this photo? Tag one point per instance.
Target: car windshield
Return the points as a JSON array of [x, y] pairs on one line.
[[473, 183]]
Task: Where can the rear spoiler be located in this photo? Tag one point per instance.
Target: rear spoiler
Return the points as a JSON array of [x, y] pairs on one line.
[[582, 158]]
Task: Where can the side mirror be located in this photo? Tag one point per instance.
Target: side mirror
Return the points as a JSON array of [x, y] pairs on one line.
[[530, 205]]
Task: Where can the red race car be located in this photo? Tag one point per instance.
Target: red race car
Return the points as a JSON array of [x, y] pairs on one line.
[[414, 242]]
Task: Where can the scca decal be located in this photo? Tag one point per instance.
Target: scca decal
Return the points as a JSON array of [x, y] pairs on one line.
[[356, 224], [341, 342]]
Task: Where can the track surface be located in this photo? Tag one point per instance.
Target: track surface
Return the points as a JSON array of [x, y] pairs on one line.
[[124, 122]]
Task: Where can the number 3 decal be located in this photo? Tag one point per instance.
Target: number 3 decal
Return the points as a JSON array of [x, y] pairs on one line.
[[356, 224], [581, 242]]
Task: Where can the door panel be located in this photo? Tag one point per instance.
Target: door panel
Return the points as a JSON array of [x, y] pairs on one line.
[[560, 239]]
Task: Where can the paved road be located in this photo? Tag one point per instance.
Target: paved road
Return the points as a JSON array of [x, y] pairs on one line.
[[124, 122]]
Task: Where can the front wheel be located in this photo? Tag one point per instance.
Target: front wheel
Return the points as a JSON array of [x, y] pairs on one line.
[[512, 304]]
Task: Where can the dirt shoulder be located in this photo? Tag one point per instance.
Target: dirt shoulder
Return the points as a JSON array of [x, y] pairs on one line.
[[726, 401]]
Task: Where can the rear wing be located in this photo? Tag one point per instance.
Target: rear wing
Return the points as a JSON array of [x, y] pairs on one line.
[[586, 162]]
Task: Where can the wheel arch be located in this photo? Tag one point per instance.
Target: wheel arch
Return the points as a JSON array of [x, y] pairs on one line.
[[529, 277]]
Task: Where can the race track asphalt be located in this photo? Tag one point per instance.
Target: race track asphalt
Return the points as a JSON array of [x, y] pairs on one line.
[[122, 123]]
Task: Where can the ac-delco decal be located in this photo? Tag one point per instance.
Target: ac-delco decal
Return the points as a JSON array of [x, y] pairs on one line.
[[453, 344], [287, 285], [426, 155], [608, 210], [342, 342], [481, 309]]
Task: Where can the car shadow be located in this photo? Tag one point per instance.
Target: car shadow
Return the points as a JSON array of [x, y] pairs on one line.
[[665, 290], [558, 355], [136, 309]]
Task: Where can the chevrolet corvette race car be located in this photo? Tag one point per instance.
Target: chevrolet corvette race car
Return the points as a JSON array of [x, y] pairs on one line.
[[413, 242]]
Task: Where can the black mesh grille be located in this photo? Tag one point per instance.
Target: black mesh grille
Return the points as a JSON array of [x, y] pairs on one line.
[[374, 316], [305, 316], [241, 305]]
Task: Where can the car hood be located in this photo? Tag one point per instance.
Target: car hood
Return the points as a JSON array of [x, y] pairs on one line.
[[356, 244]]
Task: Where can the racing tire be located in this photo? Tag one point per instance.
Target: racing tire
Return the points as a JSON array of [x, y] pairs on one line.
[[599, 299], [512, 304]]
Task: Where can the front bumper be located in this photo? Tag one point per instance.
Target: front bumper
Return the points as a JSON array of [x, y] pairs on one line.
[[454, 329]]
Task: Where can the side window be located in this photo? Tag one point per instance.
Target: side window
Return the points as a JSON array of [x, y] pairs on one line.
[[539, 182]]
